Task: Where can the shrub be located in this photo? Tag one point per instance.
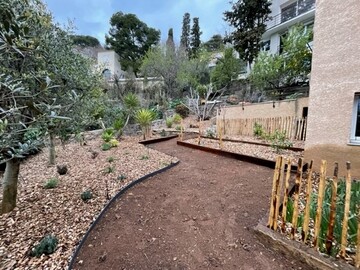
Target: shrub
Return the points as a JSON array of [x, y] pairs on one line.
[[182, 110], [258, 130], [163, 133], [86, 195], [46, 246], [169, 122], [107, 134], [178, 128], [210, 133], [177, 118], [51, 183], [118, 126], [279, 141], [106, 146]]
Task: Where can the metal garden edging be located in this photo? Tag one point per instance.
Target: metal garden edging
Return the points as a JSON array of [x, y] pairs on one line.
[[113, 199]]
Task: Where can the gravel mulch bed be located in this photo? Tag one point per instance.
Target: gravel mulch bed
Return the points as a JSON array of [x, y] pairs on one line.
[[259, 151], [61, 211]]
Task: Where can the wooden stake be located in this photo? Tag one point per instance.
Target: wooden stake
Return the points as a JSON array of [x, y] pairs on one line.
[[279, 185], [199, 137], [296, 198], [357, 258], [286, 194], [273, 192], [320, 202], [220, 140], [330, 232], [181, 130], [346, 211], [305, 231]]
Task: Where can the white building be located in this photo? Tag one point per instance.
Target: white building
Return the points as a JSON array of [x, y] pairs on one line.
[[108, 61], [285, 14]]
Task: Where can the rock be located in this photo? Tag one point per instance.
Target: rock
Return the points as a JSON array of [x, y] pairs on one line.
[[62, 169]]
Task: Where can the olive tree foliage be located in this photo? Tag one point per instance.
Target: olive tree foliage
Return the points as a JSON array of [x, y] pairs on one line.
[[164, 62], [35, 86], [291, 67]]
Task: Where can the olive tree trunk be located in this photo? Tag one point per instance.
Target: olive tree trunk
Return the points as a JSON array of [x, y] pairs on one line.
[[10, 181], [52, 152]]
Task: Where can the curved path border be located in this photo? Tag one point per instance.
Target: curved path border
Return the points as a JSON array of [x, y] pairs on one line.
[[121, 192]]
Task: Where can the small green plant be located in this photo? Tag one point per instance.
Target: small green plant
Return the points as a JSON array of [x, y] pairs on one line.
[[279, 141], [144, 118], [210, 133], [51, 183], [107, 135], [109, 169], [114, 142], [46, 246], [169, 122], [144, 157], [110, 159], [258, 130], [106, 146], [86, 195], [118, 126], [177, 118], [121, 177], [163, 133], [178, 128]]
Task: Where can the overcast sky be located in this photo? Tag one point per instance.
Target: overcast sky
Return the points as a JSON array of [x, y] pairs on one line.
[[91, 17]]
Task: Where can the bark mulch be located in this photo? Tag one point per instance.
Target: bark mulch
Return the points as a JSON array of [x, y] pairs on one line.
[[198, 215]]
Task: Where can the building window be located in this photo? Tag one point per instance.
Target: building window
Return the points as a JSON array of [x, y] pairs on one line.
[[106, 74], [355, 130], [265, 46]]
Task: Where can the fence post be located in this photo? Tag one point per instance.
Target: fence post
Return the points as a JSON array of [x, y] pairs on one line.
[[286, 194], [296, 197], [346, 211], [308, 191], [274, 191], [279, 186], [330, 232], [320, 202]]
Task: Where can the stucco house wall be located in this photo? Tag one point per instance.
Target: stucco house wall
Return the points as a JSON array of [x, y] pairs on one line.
[[109, 59], [335, 78]]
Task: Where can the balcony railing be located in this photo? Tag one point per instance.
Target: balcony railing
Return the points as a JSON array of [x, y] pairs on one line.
[[291, 11]]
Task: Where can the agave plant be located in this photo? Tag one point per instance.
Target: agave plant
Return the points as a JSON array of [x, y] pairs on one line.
[[144, 117]]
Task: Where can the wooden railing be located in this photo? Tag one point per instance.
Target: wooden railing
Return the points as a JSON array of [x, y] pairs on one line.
[[320, 211], [295, 128]]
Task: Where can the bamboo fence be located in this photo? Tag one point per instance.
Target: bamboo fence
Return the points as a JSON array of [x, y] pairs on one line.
[[294, 128], [306, 177]]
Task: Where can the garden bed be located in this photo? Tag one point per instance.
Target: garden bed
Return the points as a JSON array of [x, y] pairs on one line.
[[61, 211], [249, 149]]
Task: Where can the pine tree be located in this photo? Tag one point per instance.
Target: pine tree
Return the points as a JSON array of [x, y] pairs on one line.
[[249, 18], [195, 38], [170, 44], [185, 35]]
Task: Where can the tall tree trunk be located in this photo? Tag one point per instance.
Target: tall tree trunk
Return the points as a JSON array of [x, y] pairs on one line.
[[10, 181], [52, 152]]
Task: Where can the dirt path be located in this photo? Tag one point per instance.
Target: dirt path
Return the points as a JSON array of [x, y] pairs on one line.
[[197, 215]]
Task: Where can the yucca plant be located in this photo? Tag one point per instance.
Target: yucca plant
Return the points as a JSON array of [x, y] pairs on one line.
[[131, 103], [144, 117]]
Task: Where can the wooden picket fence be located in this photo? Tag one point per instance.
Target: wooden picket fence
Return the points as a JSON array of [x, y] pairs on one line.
[[304, 183], [295, 128]]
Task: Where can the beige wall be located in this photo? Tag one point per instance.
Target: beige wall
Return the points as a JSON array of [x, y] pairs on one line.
[[265, 109], [335, 77]]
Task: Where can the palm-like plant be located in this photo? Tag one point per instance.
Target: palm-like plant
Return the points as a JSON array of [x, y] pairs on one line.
[[131, 103], [144, 117]]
